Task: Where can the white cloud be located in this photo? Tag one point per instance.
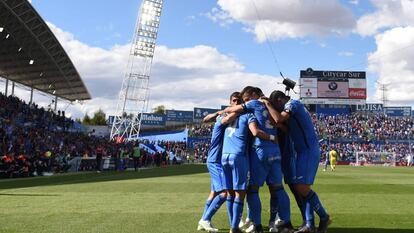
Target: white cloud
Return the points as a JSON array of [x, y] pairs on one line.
[[219, 16], [393, 62], [289, 19], [354, 2], [346, 54], [388, 14], [181, 78], [323, 45]]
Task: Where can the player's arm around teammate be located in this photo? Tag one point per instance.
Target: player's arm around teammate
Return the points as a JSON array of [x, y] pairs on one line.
[[289, 156], [265, 166], [302, 132], [218, 193], [235, 166]]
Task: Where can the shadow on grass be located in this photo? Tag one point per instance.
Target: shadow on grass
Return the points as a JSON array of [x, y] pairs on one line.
[[91, 177], [353, 230], [368, 230]]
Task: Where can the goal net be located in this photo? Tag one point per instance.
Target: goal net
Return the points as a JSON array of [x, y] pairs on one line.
[[376, 158]]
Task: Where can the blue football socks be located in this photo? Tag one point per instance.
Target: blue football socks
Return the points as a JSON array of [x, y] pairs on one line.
[[229, 203], [274, 208], [284, 204], [208, 202], [316, 205], [255, 206], [237, 212], [214, 207]]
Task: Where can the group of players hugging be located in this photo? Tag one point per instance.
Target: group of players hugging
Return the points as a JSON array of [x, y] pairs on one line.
[[260, 139]]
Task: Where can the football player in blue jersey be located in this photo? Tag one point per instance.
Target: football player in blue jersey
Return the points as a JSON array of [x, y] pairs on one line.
[[235, 146], [235, 163], [218, 194], [235, 166], [306, 145], [265, 165], [289, 157]]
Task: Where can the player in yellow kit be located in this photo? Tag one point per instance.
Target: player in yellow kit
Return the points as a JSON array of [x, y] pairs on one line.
[[333, 155]]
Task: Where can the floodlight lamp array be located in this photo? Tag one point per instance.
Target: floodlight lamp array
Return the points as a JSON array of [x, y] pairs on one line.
[[151, 13]]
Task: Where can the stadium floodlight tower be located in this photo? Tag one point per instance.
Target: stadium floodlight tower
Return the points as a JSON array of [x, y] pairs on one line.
[[134, 94]]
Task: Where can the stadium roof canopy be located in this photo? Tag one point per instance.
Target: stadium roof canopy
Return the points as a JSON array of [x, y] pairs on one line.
[[31, 55]]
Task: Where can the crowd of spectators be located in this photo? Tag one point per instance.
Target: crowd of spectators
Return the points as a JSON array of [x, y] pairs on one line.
[[35, 140], [177, 148], [201, 151], [373, 127], [368, 133], [355, 126], [359, 133], [38, 141], [200, 130]]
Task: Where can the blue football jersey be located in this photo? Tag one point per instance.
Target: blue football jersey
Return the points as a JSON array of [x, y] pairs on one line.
[[263, 120], [236, 135], [216, 143], [301, 128], [287, 148]]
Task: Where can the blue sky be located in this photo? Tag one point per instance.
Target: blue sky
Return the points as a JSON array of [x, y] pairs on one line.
[[184, 25], [223, 45]]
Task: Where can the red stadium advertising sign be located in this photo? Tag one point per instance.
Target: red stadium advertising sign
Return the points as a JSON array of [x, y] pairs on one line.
[[357, 93]]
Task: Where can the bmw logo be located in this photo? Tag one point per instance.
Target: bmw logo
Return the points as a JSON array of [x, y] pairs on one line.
[[333, 86]]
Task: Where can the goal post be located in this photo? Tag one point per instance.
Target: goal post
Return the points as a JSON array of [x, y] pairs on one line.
[[376, 158]]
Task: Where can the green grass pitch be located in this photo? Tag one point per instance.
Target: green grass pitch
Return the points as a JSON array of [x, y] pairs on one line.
[[360, 199]]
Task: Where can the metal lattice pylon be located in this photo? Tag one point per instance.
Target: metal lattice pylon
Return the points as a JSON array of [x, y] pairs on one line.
[[134, 94]]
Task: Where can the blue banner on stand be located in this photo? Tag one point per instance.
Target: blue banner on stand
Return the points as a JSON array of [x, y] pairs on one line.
[[179, 116], [200, 113], [398, 111], [153, 119]]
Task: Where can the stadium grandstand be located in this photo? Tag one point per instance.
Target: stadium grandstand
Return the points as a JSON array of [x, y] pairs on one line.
[[38, 141], [134, 170], [32, 56]]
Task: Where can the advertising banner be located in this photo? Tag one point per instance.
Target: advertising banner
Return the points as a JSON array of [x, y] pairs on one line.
[[179, 116], [308, 92], [327, 87], [398, 111], [200, 113], [357, 93], [333, 89], [153, 119], [374, 108]]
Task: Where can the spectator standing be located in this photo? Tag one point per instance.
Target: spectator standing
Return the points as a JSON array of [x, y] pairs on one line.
[[136, 156], [99, 154]]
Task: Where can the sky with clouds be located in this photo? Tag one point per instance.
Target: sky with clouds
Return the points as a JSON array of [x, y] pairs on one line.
[[208, 49]]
